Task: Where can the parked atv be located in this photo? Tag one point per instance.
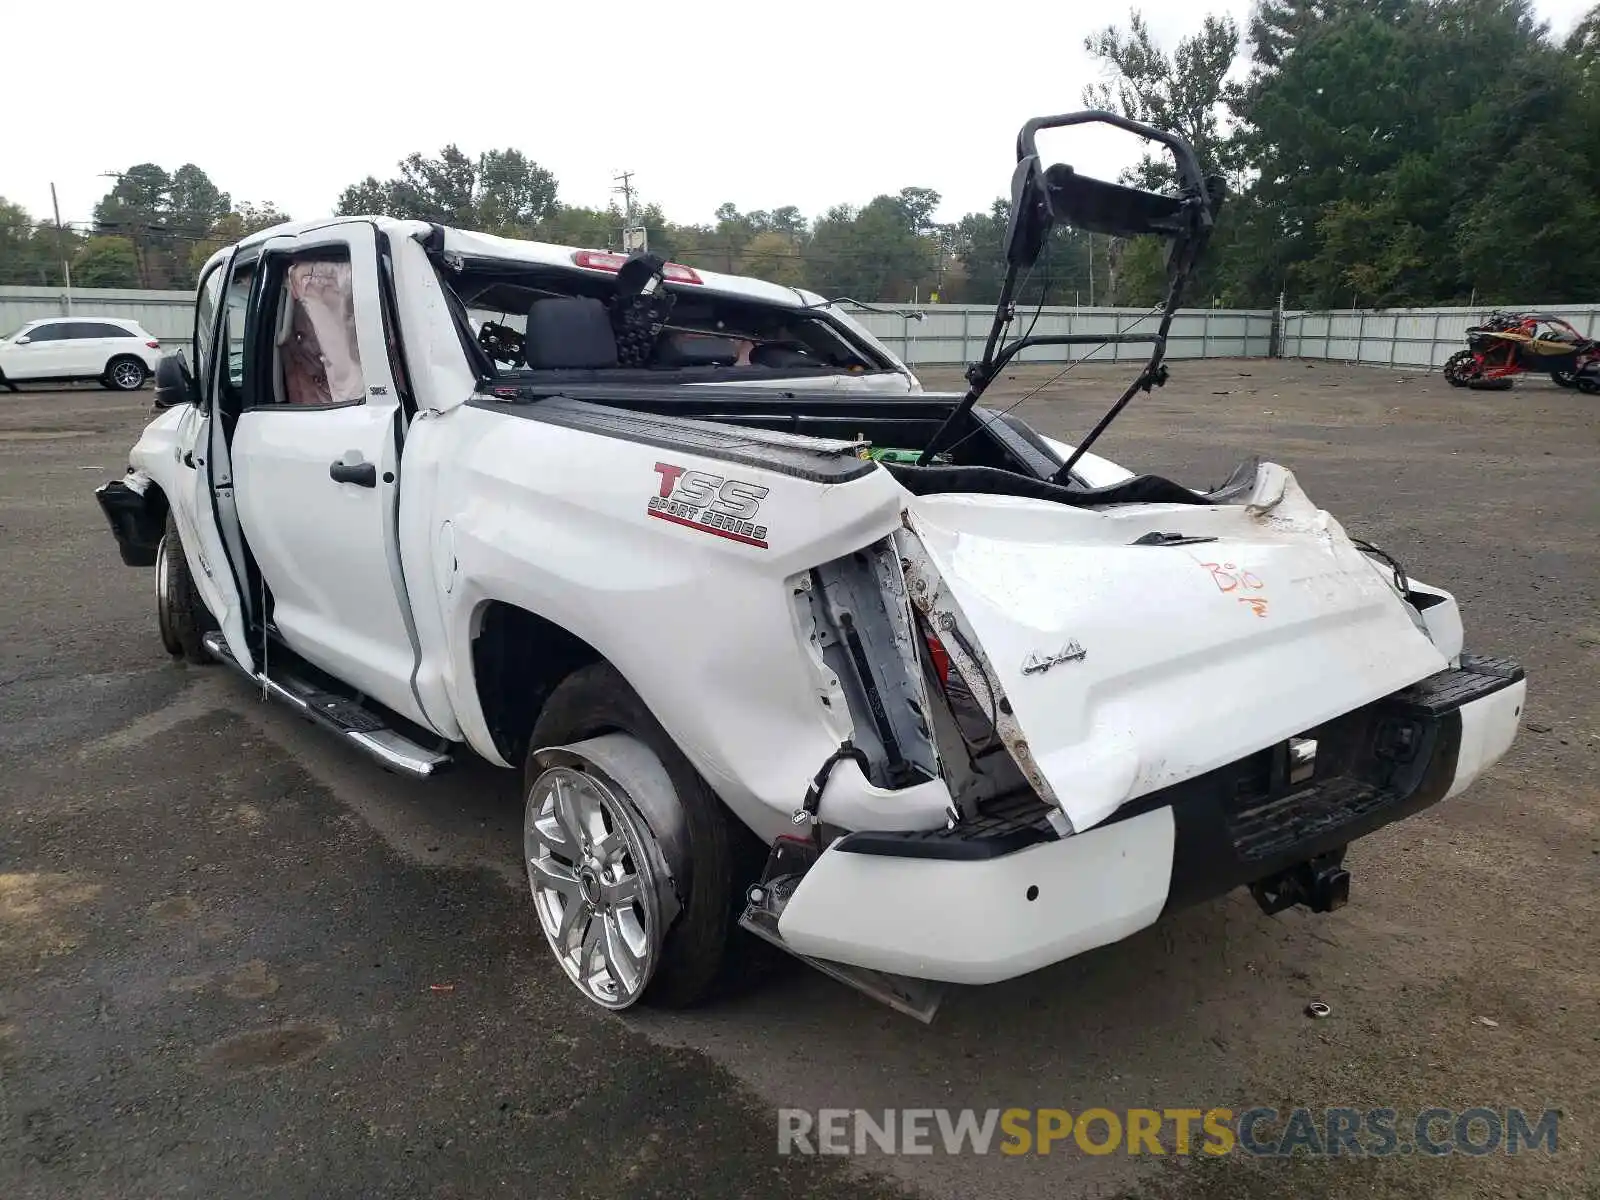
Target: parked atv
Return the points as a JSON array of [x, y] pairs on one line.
[[1512, 344]]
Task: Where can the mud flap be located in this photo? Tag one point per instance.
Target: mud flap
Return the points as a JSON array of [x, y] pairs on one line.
[[134, 523]]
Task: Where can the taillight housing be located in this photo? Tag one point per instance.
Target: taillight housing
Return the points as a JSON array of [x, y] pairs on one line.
[[941, 659], [154, 345], [602, 260]]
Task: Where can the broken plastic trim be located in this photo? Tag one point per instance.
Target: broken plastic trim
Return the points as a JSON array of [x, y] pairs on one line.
[[861, 623], [933, 600], [765, 901]]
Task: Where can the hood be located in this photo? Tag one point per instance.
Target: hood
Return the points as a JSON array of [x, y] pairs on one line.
[[1113, 668]]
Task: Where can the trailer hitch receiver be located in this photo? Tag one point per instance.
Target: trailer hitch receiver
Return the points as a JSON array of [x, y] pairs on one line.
[[1321, 884]]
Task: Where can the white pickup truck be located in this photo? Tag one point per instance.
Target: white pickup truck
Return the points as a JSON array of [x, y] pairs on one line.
[[778, 639]]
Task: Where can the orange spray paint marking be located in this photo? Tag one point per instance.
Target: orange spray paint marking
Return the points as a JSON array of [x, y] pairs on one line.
[[1229, 577]]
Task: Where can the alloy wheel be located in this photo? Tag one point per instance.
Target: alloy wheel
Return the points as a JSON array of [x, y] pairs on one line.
[[164, 601], [594, 885]]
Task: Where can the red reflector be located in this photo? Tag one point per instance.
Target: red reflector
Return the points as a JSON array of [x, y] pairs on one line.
[[941, 659], [600, 260], [154, 345]]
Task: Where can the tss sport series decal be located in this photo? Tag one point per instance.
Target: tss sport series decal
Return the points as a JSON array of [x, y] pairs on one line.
[[710, 503]]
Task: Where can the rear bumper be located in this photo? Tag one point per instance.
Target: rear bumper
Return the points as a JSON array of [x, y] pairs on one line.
[[1005, 900]]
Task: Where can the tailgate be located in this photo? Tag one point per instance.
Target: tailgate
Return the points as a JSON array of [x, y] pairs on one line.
[[1113, 669]]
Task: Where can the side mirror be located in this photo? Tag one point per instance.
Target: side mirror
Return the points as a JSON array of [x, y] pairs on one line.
[[174, 384], [22, 341]]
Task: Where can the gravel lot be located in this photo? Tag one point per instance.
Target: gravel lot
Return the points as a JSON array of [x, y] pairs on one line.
[[236, 960]]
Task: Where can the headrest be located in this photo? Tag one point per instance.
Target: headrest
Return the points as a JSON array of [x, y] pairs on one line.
[[571, 332]]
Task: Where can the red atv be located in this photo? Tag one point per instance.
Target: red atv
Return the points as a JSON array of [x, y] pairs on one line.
[[1511, 344]]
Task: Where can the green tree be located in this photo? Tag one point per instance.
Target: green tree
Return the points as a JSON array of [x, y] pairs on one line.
[[1411, 152], [501, 191], [885, 250], [107, 261], [133, 210], [163, 217], [245, 218], [31, 253], [1186, 92], [1584, 42], [1061, 276], [590, 228], [773, 255], [193, 205], [16, 234]]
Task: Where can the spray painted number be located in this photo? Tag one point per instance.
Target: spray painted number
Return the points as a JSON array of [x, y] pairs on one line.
[[1233, 579]]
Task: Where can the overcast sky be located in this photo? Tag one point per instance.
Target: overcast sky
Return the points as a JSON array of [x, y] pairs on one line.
[[811, 105]]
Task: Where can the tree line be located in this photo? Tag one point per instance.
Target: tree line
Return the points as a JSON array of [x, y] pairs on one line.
[[152, 229], [1378, 153]]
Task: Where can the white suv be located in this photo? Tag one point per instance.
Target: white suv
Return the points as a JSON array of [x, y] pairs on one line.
[[120, 354]]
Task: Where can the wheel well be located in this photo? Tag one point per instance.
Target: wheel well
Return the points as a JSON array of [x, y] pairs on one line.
[[518, 657]]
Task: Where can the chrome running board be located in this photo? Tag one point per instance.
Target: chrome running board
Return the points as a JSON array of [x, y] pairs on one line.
[[345, 717]]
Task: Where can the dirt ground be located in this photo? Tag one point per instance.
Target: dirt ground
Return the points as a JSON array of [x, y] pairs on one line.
[[236, 960]]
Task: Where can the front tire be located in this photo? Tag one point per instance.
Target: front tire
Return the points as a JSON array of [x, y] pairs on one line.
[[180, 612], [126, 374], [1461, 368], [1566, 379], [610, 743]]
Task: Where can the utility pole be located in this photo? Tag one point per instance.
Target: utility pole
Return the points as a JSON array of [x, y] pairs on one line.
[[634, 236], [61, 247]]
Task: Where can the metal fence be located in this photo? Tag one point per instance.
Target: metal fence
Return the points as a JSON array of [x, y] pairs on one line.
[[949, 333], [953, 334], [167, 315], [1403, 337]]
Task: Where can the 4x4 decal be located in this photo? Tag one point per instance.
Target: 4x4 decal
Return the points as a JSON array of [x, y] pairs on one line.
[[710, 503]]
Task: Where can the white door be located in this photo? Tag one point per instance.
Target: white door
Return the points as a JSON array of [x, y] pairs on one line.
[[45, 354], [316, 463], [85, 348], [212, 536], [95, 344]]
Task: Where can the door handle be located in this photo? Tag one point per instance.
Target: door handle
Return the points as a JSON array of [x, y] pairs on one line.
[[360, 474]]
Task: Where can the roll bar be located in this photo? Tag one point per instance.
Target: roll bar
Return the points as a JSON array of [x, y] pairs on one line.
[[1042, 198]]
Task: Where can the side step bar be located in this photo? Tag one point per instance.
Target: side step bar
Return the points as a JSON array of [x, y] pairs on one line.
[[343, 716]]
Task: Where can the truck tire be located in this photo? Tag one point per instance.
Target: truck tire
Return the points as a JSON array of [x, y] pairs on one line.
[[693, 951], [180, 612]]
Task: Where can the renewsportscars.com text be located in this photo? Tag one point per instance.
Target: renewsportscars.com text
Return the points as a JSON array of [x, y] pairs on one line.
[[1373, 1132]]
